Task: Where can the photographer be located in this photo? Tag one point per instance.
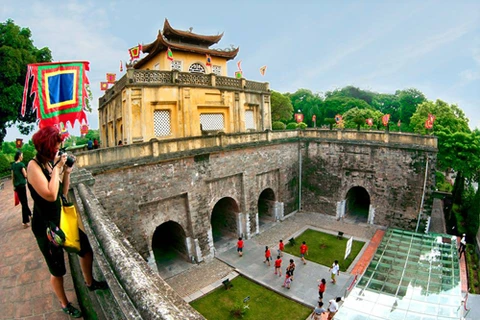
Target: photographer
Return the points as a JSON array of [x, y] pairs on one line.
[[48, 178]]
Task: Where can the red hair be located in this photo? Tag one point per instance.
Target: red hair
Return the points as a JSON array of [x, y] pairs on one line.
[[45, 141]]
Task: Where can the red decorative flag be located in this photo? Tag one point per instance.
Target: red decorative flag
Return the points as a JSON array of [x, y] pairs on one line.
[[263, 70], [59, 91], [431, 118], [338, 118], [111, 77], [135, 52], [314, 118], [299, 117], [369, 122], [19, 143], [239, 65], [64, 131], [103, 86], [169, 54], [399, 123], [121, 66], [238, 74], [385, 119], [84, 129], [428, 124], [209, 60]]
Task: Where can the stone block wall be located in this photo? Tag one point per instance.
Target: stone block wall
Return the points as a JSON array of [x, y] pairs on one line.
[[392, 176], [141, 197]]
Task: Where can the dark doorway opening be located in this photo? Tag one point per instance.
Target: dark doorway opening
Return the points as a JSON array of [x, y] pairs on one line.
[[266, 203], [169, 248], [357, 204], [224, 219]]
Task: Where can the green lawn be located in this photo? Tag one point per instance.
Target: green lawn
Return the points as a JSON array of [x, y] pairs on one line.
[[263, 303], [325, 248]]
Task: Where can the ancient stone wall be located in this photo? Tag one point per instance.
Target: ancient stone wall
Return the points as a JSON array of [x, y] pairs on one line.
[[140, 198], [392, 176]]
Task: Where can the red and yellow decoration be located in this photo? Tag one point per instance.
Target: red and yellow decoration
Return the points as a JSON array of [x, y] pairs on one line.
[[208, 62], [59, 91], [386, 119], [369, 122], [135, 52], [84, 129], [338, 118], [103, 86], [430, 120], [111, 77]]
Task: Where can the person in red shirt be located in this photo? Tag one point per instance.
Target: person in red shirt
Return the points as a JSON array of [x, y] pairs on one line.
[[268, 256], [281, 246], [278, 266], [321, 289], [303, 252], [240, 246]]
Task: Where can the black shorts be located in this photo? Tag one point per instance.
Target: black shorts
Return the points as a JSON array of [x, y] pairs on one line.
[[54, 256]]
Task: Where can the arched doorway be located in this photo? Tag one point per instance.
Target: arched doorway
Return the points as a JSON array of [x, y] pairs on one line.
[[357, 204], [224, 220], [169, 248], [266, 204]]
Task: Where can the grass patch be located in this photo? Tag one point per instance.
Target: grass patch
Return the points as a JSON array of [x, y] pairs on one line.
[[263, 303], [324, 248]]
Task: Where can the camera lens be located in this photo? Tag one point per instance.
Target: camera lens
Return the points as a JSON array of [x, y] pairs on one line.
[[70, 161]]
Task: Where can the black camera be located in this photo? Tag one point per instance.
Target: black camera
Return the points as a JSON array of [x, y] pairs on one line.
[[70, 160]]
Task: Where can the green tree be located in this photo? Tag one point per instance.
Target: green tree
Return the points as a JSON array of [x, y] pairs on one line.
[[282, 109], [352, 92], [308, 103], [409, 100], [448, 118], [16, 51]]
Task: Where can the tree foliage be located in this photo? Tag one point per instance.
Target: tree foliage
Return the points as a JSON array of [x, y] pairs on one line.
[[282, 109], [16, 51]]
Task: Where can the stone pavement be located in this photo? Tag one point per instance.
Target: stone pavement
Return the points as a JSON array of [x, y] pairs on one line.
[[25, 291]]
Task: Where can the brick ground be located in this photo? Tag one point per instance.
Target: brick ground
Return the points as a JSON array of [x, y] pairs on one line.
[[25, 291]]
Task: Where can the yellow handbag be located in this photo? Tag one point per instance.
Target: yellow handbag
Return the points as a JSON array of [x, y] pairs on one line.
[[69, 226]]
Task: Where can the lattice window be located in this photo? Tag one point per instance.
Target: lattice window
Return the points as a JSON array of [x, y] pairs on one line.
[[217, 70], [177, 65], [249, 120], [196, 68], [161, 123], [211, 121]]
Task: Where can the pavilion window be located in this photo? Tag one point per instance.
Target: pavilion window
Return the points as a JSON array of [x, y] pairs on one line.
[[212, 121], [162, 123], [249, 120], [217, 70], [196, 68], [177, 65]]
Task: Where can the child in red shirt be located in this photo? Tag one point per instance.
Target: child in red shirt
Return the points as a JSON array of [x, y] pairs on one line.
[[278, 266], [303, 251], [268, 256], [240, 246], [321, 289]]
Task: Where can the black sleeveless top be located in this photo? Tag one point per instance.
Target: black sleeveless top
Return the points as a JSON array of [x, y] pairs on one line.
[[43, 210]]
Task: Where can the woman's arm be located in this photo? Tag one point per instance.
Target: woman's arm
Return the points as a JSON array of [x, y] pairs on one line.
[[24, 172], [48, 190]]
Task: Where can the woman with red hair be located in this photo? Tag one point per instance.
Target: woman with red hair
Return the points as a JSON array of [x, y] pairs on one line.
[[48, 179]]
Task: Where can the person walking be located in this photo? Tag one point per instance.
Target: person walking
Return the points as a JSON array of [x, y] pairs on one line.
[[278, 266], [318, 311], [19, 179], [321, 289], [240, 247], [281, 247], [291, 268], [268, 256], [48, 180], [335, 271], [288, 279], [303, 252], [333, 307], [463, 246], [90, 144]]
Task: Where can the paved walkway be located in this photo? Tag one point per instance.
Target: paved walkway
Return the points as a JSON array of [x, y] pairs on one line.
[[25, 291]]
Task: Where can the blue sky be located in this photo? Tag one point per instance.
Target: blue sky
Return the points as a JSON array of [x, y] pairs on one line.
[[382, 46]]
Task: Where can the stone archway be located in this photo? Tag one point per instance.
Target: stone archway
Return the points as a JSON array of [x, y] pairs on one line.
[[224, 220], [266, 206], [357, 204], [169, 249]]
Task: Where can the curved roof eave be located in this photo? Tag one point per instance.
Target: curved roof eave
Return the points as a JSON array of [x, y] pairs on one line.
[[169, 30]]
